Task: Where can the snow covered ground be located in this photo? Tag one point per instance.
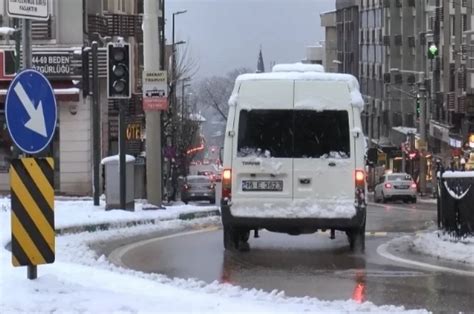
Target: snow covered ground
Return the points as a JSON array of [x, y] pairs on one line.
[[82, 281], [444, 246]]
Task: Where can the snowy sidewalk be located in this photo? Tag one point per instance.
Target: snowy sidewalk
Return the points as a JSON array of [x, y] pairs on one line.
[[82, 281]]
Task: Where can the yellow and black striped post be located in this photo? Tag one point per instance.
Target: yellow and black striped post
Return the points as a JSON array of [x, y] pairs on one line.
[[32, 218]]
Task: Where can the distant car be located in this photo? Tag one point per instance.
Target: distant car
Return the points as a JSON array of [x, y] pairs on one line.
[[395, 186], [198, 188]]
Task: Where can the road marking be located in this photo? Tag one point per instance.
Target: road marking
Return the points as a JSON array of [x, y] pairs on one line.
[[116, 256], [367, 233], [382, 251]]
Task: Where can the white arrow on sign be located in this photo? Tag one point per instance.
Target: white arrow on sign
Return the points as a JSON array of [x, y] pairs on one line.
[[37, 122]]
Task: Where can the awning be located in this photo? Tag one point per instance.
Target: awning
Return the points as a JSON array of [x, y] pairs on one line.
[[64, 90]]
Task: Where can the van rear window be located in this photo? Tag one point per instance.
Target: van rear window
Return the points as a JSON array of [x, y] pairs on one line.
[[294, 133]]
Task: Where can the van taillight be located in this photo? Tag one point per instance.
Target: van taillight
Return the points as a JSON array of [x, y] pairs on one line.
[[227, 184], [360, 178]]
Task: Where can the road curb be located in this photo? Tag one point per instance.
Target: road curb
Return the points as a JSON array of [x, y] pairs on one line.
[[133, 223]]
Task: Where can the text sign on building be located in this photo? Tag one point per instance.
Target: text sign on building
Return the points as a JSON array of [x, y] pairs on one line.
[[155, 91], [51, 65], [28, 9]]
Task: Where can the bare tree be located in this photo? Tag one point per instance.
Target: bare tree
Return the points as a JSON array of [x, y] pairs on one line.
[[214, 92]]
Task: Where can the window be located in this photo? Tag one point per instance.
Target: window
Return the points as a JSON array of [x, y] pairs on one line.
[[105, 5], [294, 134], [321, 134], [265, 133]]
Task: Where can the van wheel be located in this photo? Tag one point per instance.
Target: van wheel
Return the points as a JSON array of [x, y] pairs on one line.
[[236, 239], [356, 239], [384, 200]]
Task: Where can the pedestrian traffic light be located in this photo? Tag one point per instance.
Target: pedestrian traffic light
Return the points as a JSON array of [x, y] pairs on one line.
[[432, 51], [418, 107], [118, 71]]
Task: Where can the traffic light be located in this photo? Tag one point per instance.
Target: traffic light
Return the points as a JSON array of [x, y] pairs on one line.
[[418, 107], [118, 71], [81, 67], [432, 51]]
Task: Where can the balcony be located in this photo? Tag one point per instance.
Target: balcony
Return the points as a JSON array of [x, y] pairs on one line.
[[124, 25]]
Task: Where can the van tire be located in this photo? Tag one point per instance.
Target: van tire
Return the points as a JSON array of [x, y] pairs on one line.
[[357, 240], [236, 239], [356, 237]]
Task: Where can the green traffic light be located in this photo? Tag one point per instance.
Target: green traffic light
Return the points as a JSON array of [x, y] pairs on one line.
[[432, 51]]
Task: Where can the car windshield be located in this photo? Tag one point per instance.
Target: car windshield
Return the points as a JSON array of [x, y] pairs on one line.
[[294, 133]]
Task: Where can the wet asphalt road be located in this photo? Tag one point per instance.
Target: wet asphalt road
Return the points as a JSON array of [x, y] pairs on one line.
[[315, 266]]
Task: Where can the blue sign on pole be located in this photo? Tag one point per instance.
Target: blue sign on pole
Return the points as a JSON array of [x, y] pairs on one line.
[[31, 112]]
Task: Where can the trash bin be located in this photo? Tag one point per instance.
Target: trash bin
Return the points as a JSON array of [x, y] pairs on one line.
[[140, 175], [112, 182]]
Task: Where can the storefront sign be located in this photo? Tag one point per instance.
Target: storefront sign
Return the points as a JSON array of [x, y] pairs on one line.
[[55, 64], [439, 132]]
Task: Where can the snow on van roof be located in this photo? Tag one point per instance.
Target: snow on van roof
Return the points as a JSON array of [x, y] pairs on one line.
[[352, 83], [298, 67]]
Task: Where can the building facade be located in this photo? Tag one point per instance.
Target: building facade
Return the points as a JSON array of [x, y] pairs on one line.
[[328, 21], [347, 24], [73, 25]]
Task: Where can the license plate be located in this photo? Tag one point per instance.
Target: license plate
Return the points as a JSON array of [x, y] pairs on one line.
[[402, 187], [262, 185]]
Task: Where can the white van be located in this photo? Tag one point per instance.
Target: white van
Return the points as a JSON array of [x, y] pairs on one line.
[[294, 157]]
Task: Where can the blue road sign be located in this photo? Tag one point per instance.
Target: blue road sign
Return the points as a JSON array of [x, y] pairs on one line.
[[30, 109]]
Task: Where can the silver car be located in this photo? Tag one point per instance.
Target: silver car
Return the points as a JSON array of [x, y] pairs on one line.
[[395, 186], [198, 188]]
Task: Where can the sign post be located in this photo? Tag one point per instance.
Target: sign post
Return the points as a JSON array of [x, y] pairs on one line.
[[31, 114]]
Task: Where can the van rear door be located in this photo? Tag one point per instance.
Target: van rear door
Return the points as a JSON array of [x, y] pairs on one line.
[[262, 164], [324, 158]]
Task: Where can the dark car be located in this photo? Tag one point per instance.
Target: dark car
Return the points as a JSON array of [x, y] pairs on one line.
[[198, 188]]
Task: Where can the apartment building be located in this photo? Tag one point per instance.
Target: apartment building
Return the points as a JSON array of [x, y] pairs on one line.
[[72, 25], [347, 24]]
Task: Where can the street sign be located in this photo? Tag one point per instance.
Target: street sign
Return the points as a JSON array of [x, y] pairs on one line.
[[32, 222], [32, 10], [155, 91], [30, 110]]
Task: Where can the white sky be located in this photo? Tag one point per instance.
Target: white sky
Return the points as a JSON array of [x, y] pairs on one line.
[[227, 34]]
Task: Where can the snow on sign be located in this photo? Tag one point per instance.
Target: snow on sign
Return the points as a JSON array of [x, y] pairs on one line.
[[155, 91], [28, 9]]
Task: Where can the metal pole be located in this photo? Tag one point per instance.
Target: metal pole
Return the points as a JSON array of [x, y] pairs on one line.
[[96, 122], [32, 270], [123, 174], [151, 47], [422, 91], [26, 40]]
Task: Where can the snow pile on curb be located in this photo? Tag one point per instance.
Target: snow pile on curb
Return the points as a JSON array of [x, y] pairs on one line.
[[75, 213], [445, 246]]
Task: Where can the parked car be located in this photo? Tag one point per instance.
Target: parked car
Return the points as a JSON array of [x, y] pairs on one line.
[[395, 186], [198, 188]]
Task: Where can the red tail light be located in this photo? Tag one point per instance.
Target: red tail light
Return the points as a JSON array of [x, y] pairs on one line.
[[388, 186], [360, 178], [413, 185], [227, 184], [186, 187]]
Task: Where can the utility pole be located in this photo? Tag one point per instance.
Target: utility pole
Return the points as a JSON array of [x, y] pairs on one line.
[[32, 270], [151, 52], [422, 146], [95, 121]]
